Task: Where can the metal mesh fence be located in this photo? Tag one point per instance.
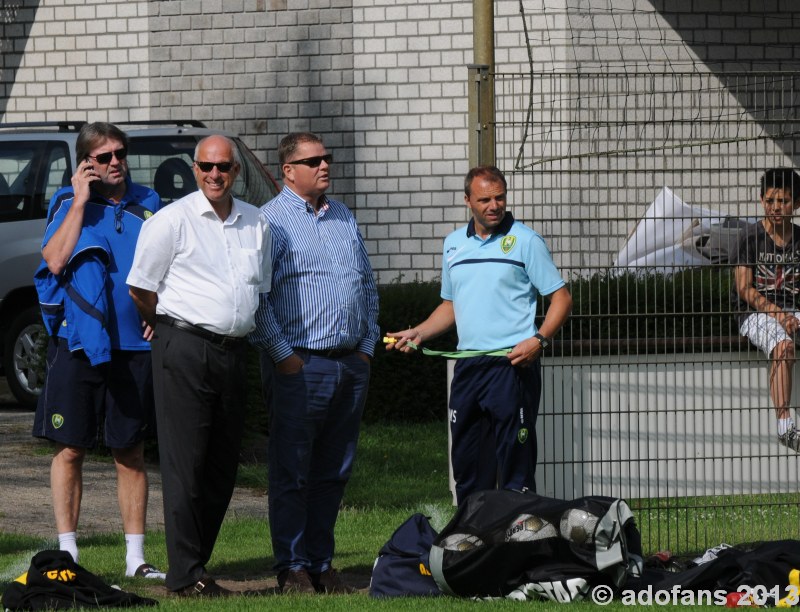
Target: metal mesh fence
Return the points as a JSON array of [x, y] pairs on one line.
[[642, 184]]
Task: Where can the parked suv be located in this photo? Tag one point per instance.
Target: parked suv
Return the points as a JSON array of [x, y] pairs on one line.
[[36, 159]]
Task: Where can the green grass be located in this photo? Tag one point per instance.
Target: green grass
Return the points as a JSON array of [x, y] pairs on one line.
[[401, 469], [396, 466], [690, 524]]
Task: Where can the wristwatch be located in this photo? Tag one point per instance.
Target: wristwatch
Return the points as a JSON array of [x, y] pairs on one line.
[[543, 341]]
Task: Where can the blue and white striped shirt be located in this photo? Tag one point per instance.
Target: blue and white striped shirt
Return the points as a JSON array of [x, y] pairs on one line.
[[323, 295]]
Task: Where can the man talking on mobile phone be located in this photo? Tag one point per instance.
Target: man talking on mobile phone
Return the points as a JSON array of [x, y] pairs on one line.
[[98, 359]]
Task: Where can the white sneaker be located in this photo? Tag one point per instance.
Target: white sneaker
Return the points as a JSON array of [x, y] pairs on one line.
[[791, 439], [711, 554]]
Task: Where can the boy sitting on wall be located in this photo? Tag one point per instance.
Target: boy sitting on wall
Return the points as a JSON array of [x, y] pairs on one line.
[[767, 286]]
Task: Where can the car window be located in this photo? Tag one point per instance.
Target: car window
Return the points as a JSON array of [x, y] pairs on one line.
[[58, 173], [253, 184], [164, 163], [30, 173]]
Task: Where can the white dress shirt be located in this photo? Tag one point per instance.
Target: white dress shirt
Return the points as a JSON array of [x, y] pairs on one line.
[[206, 271]]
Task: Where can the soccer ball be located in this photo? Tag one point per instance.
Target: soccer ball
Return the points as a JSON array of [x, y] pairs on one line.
[[461, 542], [526, 528], [578, 526]]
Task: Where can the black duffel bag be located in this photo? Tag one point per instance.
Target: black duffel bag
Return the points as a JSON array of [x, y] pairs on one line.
[[526, 546]]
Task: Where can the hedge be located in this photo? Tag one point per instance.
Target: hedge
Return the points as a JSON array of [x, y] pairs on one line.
[[646, 313], [612, 313]]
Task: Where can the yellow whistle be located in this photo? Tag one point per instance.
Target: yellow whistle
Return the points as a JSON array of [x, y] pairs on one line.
[[388, 340]]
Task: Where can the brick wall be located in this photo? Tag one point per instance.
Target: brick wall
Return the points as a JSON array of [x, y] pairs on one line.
[[384, 81], [666, 79], [67, 59], [410, 102]]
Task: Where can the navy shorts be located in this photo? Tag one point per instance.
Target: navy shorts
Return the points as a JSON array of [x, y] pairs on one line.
[[79, 399]]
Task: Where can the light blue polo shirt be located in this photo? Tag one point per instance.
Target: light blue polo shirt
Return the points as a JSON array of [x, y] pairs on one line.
[[494, 284]]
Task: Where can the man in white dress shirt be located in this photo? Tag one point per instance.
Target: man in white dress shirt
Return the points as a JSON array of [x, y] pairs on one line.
[[196, 278]]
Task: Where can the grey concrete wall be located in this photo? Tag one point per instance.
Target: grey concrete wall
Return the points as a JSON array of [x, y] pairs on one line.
[[384, 81]]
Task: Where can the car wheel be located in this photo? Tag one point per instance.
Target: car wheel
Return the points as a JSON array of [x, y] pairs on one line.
[[24, 356]]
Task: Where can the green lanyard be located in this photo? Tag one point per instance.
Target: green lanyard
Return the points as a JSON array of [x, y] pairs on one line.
[[460, 354]]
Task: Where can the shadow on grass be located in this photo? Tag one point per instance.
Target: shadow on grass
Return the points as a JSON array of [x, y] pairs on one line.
[[13, 544], [102, 539], [398, 466]]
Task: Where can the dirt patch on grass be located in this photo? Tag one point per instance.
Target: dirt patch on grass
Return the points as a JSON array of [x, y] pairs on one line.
[[25, 505]]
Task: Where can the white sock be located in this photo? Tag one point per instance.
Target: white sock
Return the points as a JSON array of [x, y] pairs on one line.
[[68, 542], [134, 555], [785, 425]]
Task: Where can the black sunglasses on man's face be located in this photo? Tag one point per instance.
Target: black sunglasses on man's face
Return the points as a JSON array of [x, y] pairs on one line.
[[105, 158], [312, 162], [209, 166]]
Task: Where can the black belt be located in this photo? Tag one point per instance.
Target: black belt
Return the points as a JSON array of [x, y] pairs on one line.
[[330, 354], [218, 339]]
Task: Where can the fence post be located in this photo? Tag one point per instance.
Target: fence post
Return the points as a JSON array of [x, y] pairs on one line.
[[481, 116]]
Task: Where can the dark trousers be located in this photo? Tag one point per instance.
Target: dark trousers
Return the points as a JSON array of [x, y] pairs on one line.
[[493, 403], [315, 417], [200, 406]]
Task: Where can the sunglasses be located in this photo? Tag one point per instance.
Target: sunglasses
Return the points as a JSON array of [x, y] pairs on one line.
[[313, 162], [105, 158], [209, 166]]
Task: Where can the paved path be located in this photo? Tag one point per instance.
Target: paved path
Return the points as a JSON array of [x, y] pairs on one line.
[[25, 505]]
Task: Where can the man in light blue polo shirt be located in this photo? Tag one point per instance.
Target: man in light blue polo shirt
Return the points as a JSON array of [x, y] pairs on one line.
[[493, 272]]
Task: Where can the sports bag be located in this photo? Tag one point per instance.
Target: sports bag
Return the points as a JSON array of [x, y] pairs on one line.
[[402, 566], [522, 545], [769, 571], [55, 582]]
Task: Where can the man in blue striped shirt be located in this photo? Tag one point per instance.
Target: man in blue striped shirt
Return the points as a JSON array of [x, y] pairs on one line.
[[317, 331]]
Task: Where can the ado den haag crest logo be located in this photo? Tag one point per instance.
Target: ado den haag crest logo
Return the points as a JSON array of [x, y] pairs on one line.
[[507, 244]]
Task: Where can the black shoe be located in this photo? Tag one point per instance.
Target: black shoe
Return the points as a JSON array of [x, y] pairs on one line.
[[330, 583], [205, 587], [295, 581]]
